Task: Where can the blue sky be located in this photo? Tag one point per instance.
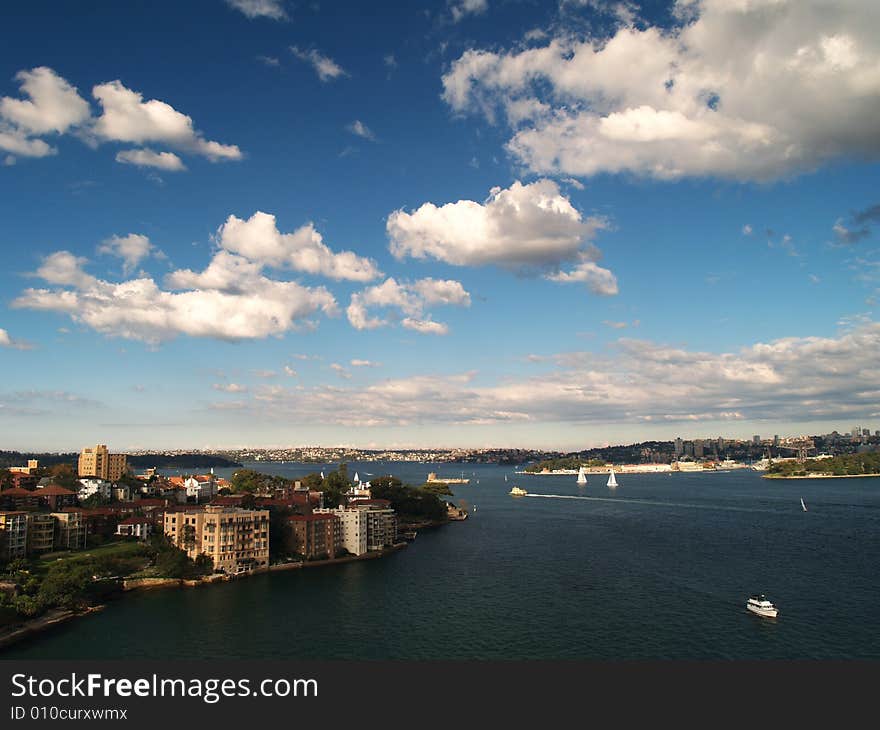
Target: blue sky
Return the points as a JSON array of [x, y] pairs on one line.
[[463, 223]]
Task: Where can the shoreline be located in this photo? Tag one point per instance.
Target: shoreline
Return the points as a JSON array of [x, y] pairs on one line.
[[823, 476], [35, 626]]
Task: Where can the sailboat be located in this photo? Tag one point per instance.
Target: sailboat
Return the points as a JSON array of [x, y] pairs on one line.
[[582, 476], [803, 506], [505, 477], [356, 478], [612, 482]]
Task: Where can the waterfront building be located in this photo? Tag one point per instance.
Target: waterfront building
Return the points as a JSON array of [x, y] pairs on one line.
[[316, 536], [381, 523], [70, 530], [98, 462], [235, 539], [40, 533], [139, 527], [698, 448], [13, 535], [679, 447], [353, 527]]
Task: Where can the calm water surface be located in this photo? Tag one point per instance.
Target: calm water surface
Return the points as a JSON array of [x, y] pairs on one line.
[[661, 567]]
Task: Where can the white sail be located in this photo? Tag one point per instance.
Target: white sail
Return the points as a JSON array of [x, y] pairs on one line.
[[322, 475], [612, 482], [356, 478], [803, 505], [582, 476], [505, 477]]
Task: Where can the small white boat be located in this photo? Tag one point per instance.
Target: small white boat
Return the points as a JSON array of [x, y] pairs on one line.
[[612, 482], [517, 492], [803, 506], [582, 476], [758, 604]]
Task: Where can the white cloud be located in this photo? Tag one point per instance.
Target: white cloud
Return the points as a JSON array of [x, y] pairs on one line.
[[126, 117], [365, 364], [52, 106], [797, 379], [132, 249], [7, 341], [252, 308], [462, 8], [749, 90], [273, 9], [289, 371], [259, 240], [326, 68], [410, 299], [530, 226], [358, 128], [340, 371], [747, 230], [230, 387], [167, 161]]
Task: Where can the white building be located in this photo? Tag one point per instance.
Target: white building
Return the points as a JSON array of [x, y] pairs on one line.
[[122, 493], [92, 486], [201, 487], [139, 527], [353, 526]]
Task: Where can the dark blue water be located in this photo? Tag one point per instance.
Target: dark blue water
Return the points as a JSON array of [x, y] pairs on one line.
[[659, 568]]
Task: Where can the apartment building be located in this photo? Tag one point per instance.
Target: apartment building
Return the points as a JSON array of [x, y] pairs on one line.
[[235, 539], [316, 536], [381, 523], [13, 535], [70, 531], [352, 526], [97, 461], [40, 533]]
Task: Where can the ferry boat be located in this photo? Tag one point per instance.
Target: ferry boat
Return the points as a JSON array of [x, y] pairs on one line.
[[760, 605], [517, 492]]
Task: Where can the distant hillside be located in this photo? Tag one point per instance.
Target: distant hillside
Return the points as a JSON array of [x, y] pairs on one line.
[[180, 461], [142, 461]]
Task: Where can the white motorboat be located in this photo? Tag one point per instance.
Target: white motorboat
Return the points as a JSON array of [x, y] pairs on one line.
[[759, 605], [518, 492]]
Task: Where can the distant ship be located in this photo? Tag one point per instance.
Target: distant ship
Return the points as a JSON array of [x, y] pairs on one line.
[[612, 482], [582, 476], [432, 477], [517, 492]]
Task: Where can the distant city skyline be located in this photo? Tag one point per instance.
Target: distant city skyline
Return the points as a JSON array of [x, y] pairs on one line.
[[495, 224]]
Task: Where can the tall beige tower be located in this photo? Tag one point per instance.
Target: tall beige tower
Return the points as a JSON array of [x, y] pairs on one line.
[[99, 462]]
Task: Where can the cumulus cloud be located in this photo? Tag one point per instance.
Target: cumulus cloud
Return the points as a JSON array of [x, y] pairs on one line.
[[273, 9], [251, 308], [259, 240], [54, 106], [167, 161], [523, 225], [797, 379], [326, 68], [410, 299], [126, 117], [751, 90], [132, 249]]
